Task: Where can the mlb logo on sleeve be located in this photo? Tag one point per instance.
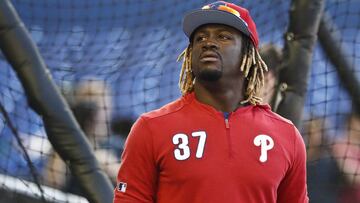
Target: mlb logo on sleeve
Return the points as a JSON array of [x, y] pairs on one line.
[[121, 186]]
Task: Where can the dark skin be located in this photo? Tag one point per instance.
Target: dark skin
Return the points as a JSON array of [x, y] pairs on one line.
[[216, 60]]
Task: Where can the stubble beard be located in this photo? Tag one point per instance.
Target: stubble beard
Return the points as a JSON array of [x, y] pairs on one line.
[[209, 75]]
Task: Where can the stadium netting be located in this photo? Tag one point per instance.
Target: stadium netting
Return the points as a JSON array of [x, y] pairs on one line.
[[114, 60]]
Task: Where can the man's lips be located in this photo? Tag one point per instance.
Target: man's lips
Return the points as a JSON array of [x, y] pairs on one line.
[[209, 57]]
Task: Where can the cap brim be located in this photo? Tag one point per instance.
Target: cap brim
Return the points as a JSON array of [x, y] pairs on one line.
[[198, 18]]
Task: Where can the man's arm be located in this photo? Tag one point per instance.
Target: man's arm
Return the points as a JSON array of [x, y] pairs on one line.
[[136, 181], [293, 187]]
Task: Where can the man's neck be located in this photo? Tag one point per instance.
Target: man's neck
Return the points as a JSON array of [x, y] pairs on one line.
[[223, 96]]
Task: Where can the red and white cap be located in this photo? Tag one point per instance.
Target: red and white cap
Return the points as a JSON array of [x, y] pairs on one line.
[[221, 12]]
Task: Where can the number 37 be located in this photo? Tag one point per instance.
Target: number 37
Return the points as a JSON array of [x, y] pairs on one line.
[[182, 151]]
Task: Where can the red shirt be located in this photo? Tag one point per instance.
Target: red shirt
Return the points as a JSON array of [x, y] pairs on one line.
[[188, 152]]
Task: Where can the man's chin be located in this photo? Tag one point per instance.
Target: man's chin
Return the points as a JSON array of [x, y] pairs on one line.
[[210, 75]]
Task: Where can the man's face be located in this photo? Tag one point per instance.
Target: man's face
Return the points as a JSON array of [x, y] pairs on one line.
[[354, 129], [267, 91], [216, 52]]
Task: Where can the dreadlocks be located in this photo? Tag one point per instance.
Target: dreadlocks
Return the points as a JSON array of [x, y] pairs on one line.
[[252, 66]]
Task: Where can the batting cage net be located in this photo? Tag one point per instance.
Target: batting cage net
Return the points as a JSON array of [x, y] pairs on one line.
[[114, 60]]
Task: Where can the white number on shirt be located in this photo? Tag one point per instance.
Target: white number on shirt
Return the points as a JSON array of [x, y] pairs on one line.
[[182, 151], [201, 145]]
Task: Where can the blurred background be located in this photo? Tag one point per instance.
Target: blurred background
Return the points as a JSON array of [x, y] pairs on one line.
[[116, 59]]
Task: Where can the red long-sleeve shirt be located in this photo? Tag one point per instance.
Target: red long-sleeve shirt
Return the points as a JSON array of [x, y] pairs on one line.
[[188, 152]]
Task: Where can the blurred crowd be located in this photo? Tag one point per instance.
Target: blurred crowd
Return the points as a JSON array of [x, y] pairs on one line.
[[333, 161], [90, 102]]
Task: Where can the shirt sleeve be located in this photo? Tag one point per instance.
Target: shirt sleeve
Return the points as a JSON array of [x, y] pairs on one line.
[[136, 180], [293, 187]]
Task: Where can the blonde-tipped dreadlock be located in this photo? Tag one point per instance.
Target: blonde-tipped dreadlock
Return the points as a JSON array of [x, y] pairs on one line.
[[252, 66], [186, 80]]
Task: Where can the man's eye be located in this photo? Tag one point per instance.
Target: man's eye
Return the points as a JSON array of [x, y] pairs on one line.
[[224, 37], [200, 38]]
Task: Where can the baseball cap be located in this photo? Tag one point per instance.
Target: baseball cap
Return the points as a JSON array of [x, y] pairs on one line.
[[221, 12]]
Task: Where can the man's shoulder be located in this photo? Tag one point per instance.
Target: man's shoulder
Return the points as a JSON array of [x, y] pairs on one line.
[[269, 113], [278, 123], [167, 109]]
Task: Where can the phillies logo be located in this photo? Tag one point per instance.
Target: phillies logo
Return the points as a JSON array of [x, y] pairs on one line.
[[266, 143]]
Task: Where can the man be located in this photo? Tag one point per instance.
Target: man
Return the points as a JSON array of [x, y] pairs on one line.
[[215, 143], [272, 56], [346, 151]]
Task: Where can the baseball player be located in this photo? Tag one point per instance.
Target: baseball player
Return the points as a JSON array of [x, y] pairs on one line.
[[216, 143]]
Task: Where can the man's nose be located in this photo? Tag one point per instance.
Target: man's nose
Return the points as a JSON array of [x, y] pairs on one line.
[[210, 44]]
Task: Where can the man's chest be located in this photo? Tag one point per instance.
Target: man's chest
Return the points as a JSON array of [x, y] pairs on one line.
[[217, 152]]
